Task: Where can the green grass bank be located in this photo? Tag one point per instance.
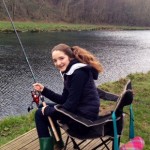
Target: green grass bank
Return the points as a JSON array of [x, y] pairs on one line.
[[12, 127], [5, 26]]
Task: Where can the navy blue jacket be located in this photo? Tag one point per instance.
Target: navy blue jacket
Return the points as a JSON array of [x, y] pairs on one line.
[[80, 95]]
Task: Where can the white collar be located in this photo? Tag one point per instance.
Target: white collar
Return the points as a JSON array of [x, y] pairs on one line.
[[73, 68]]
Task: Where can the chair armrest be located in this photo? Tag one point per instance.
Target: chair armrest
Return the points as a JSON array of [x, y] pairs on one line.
[[107, 95], [81, 120]]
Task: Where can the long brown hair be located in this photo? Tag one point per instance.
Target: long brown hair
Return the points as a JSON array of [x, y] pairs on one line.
[[80, 54]]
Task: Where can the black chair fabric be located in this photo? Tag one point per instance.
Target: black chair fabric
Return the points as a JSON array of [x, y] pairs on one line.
[[103, 126]]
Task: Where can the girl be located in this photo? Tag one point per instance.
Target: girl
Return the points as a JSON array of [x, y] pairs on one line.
[[79, 68]]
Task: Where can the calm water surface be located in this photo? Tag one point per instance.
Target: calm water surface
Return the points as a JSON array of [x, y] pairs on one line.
[[120, 52]]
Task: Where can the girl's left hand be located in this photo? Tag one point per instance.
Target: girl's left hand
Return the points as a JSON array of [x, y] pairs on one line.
[[43, 108]]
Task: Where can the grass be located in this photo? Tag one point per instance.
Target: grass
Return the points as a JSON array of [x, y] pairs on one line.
[[5, 26], [141, 105], [12, 127]]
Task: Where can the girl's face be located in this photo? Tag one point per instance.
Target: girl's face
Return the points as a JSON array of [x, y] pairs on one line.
[[61, 60]]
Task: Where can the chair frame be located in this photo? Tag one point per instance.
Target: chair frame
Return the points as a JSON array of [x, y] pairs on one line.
[[118, 110]]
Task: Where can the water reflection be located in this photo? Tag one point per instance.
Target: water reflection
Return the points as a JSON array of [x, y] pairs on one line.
[[121, 53]]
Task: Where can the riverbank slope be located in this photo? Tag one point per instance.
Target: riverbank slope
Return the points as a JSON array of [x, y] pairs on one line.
[[5, 26], [14, 126]]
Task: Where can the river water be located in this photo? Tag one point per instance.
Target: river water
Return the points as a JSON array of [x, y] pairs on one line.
[[120, 52]]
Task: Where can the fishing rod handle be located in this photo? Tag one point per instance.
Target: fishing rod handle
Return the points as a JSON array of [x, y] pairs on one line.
[[51, 122]]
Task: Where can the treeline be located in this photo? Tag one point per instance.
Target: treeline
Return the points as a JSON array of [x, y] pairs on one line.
[[120, 12]]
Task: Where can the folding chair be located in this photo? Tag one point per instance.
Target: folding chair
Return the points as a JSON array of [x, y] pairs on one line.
[[104, 126]]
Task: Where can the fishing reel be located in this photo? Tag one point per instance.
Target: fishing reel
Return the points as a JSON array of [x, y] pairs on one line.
[[36, 97]]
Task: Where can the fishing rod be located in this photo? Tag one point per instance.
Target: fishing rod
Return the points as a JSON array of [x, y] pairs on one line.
[[35, 94], [19, 41]]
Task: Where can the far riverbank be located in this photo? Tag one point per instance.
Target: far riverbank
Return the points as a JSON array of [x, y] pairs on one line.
[[5, 26]]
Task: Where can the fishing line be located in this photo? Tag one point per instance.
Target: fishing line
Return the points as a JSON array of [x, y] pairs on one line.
[[24, 52], [34, 98]]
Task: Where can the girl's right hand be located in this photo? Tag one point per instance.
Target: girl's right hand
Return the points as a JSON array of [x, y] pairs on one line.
[[38, 87]]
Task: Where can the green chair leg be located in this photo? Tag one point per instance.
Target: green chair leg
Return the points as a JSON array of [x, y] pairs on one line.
[[46, 143]]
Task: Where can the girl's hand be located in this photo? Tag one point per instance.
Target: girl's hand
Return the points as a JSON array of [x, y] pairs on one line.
[[43, 109], [38, 87]]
